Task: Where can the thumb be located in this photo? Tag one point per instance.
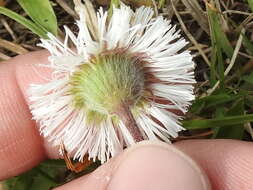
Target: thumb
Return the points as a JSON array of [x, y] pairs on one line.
[[149, 165]]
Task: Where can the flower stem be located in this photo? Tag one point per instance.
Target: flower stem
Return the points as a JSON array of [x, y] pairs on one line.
[[127, 118]]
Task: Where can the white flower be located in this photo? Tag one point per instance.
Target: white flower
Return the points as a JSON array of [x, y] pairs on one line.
[[126, 79]]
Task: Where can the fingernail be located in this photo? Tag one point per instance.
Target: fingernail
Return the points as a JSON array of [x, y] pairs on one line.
[[153, 165]]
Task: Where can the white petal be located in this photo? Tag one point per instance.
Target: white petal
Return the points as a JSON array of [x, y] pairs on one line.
[[151, 128], [128, 138], [167, 119], [119, 24]]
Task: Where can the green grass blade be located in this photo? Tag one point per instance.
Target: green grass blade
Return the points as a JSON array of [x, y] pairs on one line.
[[25, 22], [42, 13], [220, 68], [248, 44], [212, 101], [249, 101], [220, 45], [233, 131], [219, 34], [250, 2], [248, 78], [219, 113], [220, 122], [213, 65], [114, 3], [161, 3]]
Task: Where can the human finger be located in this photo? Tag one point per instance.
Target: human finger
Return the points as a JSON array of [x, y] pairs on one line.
[[147, 165], [21, 146], [228, 163]]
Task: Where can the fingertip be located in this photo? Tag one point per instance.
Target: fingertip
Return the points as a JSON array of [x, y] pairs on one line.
[[156, 165], [147, 165]]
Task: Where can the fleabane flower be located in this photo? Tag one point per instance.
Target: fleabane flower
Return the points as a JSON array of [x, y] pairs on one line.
[[127, 79]]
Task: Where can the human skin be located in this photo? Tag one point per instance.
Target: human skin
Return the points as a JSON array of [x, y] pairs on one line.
[[191, 164]]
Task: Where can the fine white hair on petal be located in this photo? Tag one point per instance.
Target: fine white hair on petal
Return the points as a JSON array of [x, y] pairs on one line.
[[139, 33]]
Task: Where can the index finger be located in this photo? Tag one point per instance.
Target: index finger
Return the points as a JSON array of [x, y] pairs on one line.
[[21, 146]]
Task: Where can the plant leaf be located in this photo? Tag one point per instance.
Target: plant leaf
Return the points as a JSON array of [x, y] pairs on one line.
[[114, 3], [42, 13], [248, 44], [219, 35], [251, 4], [212, 101], [249, 101], [161, 3], [42, 177], [233, 131], [210, 123], [25, 22], [248, 78]]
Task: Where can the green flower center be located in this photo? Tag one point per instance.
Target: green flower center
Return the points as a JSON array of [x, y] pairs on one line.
[[106, 82]]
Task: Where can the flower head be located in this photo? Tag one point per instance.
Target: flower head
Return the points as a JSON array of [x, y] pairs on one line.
[[127, 79]]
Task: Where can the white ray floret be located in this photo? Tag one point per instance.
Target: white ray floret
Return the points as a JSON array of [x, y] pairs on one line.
[[138, 33]]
